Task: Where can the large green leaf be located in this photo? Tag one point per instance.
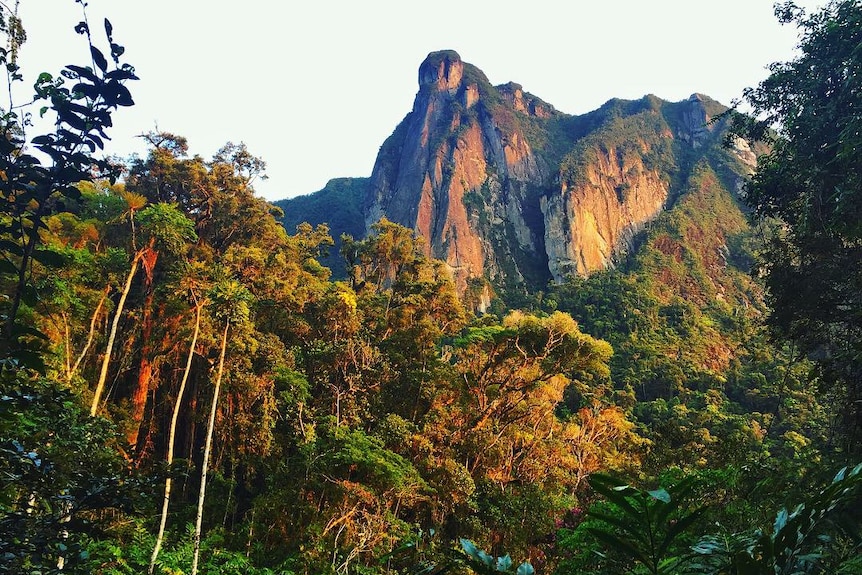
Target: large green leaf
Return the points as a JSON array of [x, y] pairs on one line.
[[621, 544]]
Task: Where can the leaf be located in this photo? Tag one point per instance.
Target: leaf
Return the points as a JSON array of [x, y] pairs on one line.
[[117, 51], [30, 359], [124, 97], [677, 528], [678, 494], [619, 544], [99, 58], [525, 569], [109, 29], [632, 527], [121, 74], [7, 267], [83, 72], [10, 247], [780, 521], [19, 330], [96, 140], [660, 494], [615, 491], [504, 563], [469, 548]]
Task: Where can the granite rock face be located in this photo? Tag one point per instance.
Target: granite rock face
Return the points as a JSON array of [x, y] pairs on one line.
[[588, 224], [453, 174], [512, 194]]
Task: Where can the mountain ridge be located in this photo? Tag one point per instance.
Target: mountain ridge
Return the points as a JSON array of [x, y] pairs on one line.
[[512, 193]]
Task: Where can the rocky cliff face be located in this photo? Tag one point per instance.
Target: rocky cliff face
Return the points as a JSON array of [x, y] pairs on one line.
[[512, 193], [589, 223], [458, 177]]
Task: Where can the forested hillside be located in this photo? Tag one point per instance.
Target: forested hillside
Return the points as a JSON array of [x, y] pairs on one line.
[[189, 386]]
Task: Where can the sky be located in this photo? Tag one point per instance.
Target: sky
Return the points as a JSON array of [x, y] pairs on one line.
[[314, 88]]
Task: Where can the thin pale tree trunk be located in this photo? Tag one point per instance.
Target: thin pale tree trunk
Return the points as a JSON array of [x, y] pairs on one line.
[[171, 438], [92, 333], [207, 448], [103, 375]]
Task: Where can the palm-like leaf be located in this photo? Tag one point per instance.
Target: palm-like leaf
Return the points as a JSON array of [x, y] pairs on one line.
[[646, 523]]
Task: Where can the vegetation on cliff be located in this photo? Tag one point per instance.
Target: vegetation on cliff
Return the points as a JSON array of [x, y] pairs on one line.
[[185, 387]]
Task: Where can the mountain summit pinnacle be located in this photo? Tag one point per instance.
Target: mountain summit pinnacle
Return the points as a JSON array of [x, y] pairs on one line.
[[443, 69]]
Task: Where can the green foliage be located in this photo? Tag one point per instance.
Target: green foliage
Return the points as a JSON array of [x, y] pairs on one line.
[[685, 324], [636, 136], [645, 526], [810, 182], [129, 554], [339, 206], [169, 229], [230, 301], [32, 188], [484, 564], [357, 457], [357, 414], [655, 531], [802, 540], [58, 470], [422, 556]]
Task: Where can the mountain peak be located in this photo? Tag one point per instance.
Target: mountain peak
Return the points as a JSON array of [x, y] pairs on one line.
[[512, 193], [443, 70]]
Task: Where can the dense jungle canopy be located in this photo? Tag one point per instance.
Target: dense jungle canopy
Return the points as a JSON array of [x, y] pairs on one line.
[[186, 388]]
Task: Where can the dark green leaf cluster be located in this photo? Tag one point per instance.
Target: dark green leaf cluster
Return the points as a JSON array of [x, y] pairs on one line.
[[32, 191], [808, 109], [652, 531], [59, 469], [650, 523]]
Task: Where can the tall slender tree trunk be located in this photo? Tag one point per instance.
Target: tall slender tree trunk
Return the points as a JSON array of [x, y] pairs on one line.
[[149, 256], [83, 354], [103, 374], [172, 437], [207, 448]]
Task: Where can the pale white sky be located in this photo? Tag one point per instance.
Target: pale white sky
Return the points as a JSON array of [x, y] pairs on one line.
[[315, 87]]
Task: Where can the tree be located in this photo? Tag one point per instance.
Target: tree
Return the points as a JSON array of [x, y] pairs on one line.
[[810, 111], [31, 190], [819, 535], [166, 229], [59, 467], [169, 458], [59, 470], [230, 302], [135, 202], [495, 438]]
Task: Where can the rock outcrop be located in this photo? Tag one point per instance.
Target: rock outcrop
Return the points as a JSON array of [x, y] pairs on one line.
[[457, 176], [591, 222], [511, 193]]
